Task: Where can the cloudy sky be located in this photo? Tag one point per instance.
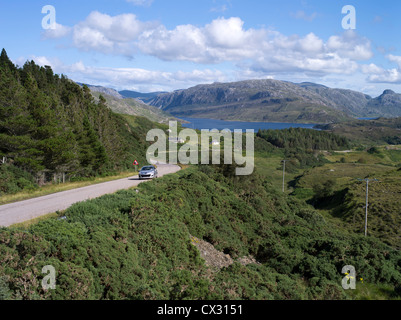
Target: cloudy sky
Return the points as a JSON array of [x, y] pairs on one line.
[[163, 45]]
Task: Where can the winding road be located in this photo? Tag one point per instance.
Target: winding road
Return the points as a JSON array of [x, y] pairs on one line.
[[29, 209]]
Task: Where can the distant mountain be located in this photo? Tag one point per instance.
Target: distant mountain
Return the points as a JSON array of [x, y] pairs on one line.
[[145, 97], [103, 90], [351, 102], [132, 106], [253, 100], [276, 101], [386, 105], [135, 108]]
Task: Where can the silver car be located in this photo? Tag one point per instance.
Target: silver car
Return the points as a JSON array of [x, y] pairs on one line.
[[148, 172]]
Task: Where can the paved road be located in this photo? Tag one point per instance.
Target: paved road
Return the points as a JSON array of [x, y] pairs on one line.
[[29, 209]]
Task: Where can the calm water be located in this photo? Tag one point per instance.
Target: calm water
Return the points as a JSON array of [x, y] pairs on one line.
[[210, 124]]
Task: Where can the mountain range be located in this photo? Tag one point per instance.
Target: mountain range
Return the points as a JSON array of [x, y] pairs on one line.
[[276, 101], [130, 103], [254, 100], [145, 97]]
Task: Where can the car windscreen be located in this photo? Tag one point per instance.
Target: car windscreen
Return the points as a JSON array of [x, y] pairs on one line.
[[147, 168]]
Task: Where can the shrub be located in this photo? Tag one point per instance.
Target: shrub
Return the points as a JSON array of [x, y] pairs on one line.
[[133, 245], [5, 292], [374, 150], [13, 179], [362, 160], [325, 189]]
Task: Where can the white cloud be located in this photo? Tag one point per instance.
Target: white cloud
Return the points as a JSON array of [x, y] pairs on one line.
[[185, 42], [371, 68], [142, 3], [396, 59], [142, 79], [107, 34], [311, 43], [130, 78], [223, 40], [310, 54], [386, 76], [227, 33], [302, 15], [350, 45], [221, 5], [59, 31], [378, 74], [42, 61], [222, 8], [228, 40]]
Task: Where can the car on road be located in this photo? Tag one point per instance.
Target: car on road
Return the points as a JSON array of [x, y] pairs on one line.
[[148, 172]]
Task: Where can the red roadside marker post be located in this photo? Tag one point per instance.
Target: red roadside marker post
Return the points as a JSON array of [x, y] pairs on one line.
[[136, 163]]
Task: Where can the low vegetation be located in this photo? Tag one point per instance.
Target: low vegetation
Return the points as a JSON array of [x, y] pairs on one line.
[[368, 132], [137, 245]]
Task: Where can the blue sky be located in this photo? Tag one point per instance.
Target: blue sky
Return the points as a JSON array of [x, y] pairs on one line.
[[153, 45]]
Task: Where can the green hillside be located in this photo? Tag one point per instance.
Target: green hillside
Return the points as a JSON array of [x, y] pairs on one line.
[[50, 128], [140, 245], [324, 170], [378, 131], [335, 190]]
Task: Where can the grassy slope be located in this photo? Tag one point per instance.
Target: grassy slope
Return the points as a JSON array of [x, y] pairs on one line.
[[346, 205], [367, 131], [138, 245]]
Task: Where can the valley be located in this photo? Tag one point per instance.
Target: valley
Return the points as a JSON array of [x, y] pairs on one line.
[[149, 242]]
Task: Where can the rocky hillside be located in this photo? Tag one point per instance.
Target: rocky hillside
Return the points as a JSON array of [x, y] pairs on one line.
[[123, 104], [134, 107], [144, 97], [104, 91], [351, 102], [254, 100], [386, 105], [274, 100]]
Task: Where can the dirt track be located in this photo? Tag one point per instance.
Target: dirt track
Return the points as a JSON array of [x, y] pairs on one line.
[[29, 209]]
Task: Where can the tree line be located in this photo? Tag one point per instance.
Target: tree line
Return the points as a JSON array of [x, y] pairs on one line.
[[306, 139], [49, 124]]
